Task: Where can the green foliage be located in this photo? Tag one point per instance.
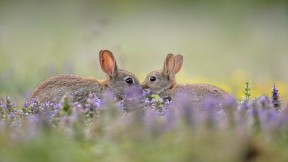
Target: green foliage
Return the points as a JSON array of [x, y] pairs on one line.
[[67, 100], [246, 91]]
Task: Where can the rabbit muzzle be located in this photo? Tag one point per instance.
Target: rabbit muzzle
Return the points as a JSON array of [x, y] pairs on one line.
[[144, 85]]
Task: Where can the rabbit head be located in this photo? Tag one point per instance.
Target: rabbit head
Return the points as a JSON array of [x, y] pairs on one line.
[[117, 80], [160, 80]]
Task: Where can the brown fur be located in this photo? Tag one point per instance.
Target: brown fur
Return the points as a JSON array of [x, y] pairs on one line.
[[54, 88], [166, 86]]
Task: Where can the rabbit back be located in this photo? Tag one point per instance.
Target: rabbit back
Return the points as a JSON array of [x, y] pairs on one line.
[[54, 88], [197, 94]]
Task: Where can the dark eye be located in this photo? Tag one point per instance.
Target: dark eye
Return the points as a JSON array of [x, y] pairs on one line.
[[152, 79], [129, 80]]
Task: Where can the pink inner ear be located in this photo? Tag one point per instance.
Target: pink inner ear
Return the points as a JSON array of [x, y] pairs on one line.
[[169, 63], [178, 63], [107, 62]]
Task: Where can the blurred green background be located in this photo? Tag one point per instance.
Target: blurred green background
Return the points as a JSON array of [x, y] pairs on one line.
[[224, 42]]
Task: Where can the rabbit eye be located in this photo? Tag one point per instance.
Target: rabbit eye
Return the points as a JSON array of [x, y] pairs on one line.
[[129, 80], [152, 79]]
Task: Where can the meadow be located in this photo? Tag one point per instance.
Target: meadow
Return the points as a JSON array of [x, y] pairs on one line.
[[240, 46]]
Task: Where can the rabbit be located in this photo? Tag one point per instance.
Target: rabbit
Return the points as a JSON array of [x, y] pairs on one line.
[[163, 83], [56, 87]]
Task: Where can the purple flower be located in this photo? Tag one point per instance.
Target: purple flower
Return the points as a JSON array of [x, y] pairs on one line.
[[133, 93], [146, 92], [276, 98], [150, 117], [94, 100], [3, 105], [11, 115], [8, 103], [57, 105], [272, 115], [269, 118], [78, 106], [26, 104], [256, 119], [170, 119], [264, 102], [147, 101], [187, 109], [167, 101], [211, 105], [108, 96], [33, 103], [283, 116], [55, 113], [245, 106], [160, 100], [93, 103], [230, 102]]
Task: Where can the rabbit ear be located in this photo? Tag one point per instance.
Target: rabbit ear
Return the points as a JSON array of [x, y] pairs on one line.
[[178, 64], [108, 63], [168, 64]]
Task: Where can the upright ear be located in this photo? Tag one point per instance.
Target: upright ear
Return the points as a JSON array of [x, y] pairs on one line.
[[108, 63], [178, 64], [168, 64]]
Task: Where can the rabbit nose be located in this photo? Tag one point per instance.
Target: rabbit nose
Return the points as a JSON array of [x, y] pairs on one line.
[[144, 85]]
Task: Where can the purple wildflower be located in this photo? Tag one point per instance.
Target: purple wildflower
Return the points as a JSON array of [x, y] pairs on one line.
[[56, 105], [147, 101], [186, 109], [150, 117], [161, 100], [269, 119], [166, 104], [134, 93], [230, 107], [230, 102], [272, 115], [8, 104], [93, 102], [276, 98], [146, 93], [245, 106], [170, 119], [2, 105], [11, 115], [211, 106], [264, 102], [283, 116], [78, 106], [256, 119], [26, 104], [33, 102], [108, 96]]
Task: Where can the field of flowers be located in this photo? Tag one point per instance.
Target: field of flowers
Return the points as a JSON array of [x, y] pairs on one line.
[[144, 127]]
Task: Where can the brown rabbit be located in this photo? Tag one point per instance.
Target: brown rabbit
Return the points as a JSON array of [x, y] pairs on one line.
[[54, 88], [163, 82]]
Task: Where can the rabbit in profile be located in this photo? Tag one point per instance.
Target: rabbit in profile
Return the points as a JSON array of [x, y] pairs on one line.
[[163, 83], [54, 88]]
